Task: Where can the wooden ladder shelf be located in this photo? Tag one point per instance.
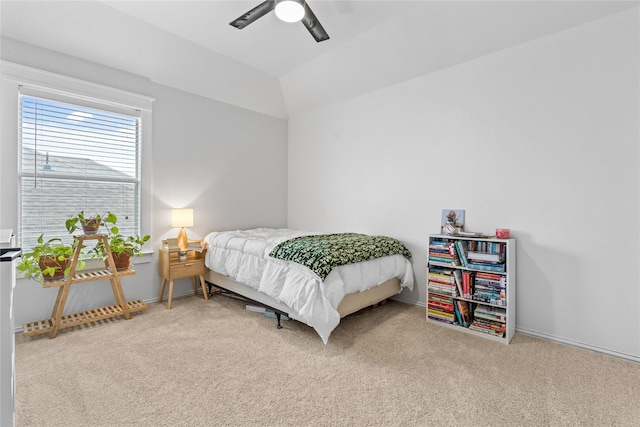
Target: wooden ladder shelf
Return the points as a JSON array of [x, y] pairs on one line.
[[58, 321]]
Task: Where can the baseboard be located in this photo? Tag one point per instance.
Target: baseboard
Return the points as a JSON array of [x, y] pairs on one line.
[[578, 344], [419, 303], [554, 338], [148, 301]]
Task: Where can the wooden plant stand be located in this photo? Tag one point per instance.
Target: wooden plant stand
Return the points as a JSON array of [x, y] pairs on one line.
[[58, 321]]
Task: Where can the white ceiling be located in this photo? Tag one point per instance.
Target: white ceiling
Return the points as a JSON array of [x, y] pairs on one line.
[[277, 68], [268, 44]]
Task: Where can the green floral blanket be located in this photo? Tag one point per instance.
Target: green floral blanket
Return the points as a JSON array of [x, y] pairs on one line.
[[321, 253]]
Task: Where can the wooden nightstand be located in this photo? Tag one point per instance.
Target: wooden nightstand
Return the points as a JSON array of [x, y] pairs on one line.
[[171, 268]]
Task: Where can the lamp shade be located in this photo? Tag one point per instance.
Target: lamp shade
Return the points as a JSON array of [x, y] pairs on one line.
[[182, 218], [290, 10]]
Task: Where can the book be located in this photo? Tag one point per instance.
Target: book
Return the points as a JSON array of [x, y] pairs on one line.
[[444, 252], [171, 245], [439, 319], [491, 276], [490, 313], [465, 312], [441, 277], [458, 315], [487, 267], [436, 305], [472, 234], [489, 299], [467, 283], [485, 256], [457, 275], [441, 314], [439, 289], [446, 260], [462, 256], [195, 245]]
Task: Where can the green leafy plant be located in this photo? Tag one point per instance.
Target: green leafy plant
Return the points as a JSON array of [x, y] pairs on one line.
[[131, 245], [94, 221], [122, 247], [48, 260]]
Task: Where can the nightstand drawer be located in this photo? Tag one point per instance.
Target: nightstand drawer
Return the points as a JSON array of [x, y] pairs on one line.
[[191, 267]]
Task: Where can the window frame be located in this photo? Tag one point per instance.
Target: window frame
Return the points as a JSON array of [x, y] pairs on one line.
[[58, 87]]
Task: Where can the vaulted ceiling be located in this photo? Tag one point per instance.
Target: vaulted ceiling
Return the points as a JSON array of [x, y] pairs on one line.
[[275, 67]]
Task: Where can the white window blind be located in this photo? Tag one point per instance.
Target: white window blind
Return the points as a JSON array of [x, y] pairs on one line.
[[76, 157]]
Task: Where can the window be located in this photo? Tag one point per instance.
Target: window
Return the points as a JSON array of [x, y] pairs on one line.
[[76, 155]]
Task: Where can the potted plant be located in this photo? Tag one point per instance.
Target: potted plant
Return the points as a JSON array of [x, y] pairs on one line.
[[89, 224], [123, 248], [48, 261]]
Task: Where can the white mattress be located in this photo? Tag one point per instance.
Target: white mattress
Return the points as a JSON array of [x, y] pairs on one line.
[[243, 255]]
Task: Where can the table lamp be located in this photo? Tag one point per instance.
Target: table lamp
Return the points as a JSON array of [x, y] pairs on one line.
[[182, 218]]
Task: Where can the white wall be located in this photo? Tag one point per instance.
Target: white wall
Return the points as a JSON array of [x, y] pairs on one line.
[[227, 163], [541, 138]]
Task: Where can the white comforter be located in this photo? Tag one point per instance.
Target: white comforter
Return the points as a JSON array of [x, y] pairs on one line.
[[243, 255]]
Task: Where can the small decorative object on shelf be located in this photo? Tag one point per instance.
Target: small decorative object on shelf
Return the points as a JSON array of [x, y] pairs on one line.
[[471, 285], [503, 233], [452, 221], [449, 229]]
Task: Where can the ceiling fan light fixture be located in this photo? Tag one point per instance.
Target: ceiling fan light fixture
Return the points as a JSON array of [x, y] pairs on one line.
[[290, 10]]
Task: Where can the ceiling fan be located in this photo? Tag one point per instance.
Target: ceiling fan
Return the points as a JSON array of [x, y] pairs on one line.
[[286, 10]]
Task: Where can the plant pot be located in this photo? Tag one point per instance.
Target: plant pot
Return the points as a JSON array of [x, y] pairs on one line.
[[91, 226], [121, 261], [60, 266]]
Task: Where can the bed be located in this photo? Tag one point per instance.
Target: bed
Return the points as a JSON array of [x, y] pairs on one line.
[[250, 263]]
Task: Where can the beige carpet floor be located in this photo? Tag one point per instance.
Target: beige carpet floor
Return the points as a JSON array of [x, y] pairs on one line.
[[210, 363]]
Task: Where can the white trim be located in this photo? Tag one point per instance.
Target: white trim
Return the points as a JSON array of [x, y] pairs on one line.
[[553, 338], [572, 343], [61, 85], [69, 86]]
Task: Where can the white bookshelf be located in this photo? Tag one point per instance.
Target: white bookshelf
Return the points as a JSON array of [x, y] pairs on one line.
[[505, 305]]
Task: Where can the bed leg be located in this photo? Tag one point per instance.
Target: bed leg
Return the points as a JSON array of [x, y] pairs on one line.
[[278, 316]]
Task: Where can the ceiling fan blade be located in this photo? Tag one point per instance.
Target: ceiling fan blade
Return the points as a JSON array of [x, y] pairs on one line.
[[257, 12], [313, 25]]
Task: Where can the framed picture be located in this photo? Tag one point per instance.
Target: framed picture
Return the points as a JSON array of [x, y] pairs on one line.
[[454, 216]]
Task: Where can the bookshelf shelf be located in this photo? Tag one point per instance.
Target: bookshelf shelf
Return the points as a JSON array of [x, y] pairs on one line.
[[471, 285]]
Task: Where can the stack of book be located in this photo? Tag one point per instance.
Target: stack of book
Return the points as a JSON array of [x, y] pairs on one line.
[[443, 252], [171, 245], [440, 308], [442, 281], [489, 320], [491, 288], [486, 256], [441, 287], [196, 245]]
